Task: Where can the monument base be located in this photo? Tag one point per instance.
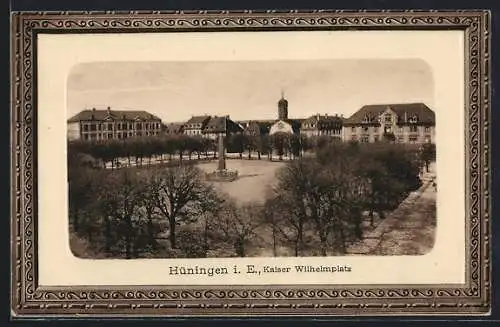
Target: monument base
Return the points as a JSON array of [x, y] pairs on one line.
[[222, 175]]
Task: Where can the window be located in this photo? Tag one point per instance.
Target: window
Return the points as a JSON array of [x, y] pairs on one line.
[[353, 129], [364, 139], [110, 135], [85, 127], [413, 139], [427, 129], [388, 118], [375, 138], [110, 127], [413, 129], [365, 129], [375, 129], [85, 137], [93, 127]]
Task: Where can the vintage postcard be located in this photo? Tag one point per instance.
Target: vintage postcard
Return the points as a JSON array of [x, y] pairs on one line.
[[302, 163]]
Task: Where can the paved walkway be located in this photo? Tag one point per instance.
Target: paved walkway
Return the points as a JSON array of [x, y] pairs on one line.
[[409, 230]]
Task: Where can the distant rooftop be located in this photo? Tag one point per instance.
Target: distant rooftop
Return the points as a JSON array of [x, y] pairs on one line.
[[409, 110], [103, 114]]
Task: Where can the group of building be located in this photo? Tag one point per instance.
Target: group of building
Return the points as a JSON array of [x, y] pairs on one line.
[[402, 123]]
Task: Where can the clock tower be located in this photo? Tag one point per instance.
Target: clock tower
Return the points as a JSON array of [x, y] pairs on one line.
[[282, 108]]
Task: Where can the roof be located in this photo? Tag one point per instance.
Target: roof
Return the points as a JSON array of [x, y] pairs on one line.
[[423, 112], [221, 124], [198, 119], [174, 127], [295, 123], [258, 127], [93, 114], [256, 121], [323, 122]]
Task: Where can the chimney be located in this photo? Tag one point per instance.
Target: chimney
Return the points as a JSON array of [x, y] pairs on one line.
[[317, 116], [326, 115], [93, 109], [406, 117]]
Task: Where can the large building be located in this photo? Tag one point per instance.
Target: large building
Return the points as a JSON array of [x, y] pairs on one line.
[[195, 125], [284, 124], [401, 123], [256, 127], [173, 129], [220, 125], [93, 125], [322, 125]]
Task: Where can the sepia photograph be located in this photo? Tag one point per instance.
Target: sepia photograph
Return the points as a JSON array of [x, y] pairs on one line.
[[251, 159], [250, 163]]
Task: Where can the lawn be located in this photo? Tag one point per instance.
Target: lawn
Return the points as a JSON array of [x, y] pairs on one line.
[[256, 177]]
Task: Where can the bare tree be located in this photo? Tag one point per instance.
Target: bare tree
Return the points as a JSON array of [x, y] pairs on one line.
[[120, 203], [147, 193], [181, 195], [239, 224], [294, 182]]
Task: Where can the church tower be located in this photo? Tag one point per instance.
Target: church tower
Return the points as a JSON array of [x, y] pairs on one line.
[[282, 108]]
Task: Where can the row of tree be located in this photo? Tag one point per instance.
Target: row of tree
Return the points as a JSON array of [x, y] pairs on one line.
[[166, 146], [330, 195], [316, 207]]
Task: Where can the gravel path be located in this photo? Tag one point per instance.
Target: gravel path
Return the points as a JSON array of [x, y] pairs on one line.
[[413, 228], [409, 230]]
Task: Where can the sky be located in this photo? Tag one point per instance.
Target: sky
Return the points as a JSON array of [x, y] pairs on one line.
[[247, 90]]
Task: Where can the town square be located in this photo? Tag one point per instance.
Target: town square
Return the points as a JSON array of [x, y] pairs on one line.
[[214, 185]]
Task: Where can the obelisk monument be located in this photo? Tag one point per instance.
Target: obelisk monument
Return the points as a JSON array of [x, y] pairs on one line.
[[222, 159]]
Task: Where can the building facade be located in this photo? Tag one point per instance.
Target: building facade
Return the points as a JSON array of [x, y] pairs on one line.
[[220, 125], [322, 125], [196, 125], [94, 125], [173, 129], [283, 124], [256, 127], [401, 123]]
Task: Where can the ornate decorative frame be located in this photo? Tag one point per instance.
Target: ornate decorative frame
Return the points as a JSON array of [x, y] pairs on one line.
[[29, 299]]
